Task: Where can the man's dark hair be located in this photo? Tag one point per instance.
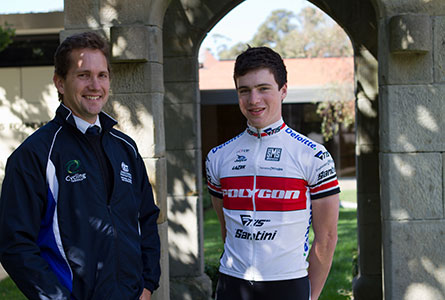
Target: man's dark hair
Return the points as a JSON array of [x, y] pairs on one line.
[[86, 40], [258, 58]]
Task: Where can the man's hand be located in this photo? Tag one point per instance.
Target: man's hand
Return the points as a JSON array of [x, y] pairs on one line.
[[146, 295]]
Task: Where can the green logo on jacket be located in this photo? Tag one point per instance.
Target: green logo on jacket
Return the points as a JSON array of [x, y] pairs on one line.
[[73, 166], [74, 169]]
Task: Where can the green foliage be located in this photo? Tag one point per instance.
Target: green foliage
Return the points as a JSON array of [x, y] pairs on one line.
[[310, 33], [6, 35], [8, 290], [278, 25], [337, 109], [344, 266], [232, 52], [335, 114]]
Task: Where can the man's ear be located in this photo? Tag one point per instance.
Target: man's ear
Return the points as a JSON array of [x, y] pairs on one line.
[[283, 92], [59, 83]]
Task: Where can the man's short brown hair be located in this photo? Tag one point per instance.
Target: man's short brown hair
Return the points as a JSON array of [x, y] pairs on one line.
[[85, 40], [255, 58]]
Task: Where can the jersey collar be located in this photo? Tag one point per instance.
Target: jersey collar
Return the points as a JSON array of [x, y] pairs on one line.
[[272, 129]]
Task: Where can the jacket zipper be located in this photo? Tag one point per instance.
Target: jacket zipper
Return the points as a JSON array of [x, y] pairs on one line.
[[116, 266]]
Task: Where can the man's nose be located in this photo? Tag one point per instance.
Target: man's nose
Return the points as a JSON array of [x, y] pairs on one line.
[[94, 83], [254, 97]]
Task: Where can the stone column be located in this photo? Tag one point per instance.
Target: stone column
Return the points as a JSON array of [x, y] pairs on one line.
[[183, 152], [184, 168], [368, 283], [412, 139], [137, 102]]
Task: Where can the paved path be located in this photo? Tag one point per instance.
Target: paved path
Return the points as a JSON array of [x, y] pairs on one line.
[[345, 185]]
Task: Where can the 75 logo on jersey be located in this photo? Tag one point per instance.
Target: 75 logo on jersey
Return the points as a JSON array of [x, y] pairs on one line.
[[247, 220]]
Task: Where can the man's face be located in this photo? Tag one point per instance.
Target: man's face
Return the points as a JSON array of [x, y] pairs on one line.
[[259, 97], [86, 86]]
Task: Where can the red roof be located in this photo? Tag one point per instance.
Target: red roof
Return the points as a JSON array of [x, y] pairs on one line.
[[302, 72]]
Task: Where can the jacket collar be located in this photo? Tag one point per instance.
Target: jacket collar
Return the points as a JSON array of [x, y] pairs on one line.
[[66, 115]]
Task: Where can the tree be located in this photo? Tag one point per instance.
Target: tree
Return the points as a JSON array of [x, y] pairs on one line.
[[233, 51], [6, 35], [310, 33], [273, 31], [337, 110]]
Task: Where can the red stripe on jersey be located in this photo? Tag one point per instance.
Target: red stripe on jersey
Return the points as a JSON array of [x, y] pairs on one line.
[[271, 193], [213, 187], [236, 192], [325, 186]]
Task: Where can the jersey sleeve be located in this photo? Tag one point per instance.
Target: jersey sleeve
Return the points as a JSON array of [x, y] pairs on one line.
[[213, 182], [322, 177]]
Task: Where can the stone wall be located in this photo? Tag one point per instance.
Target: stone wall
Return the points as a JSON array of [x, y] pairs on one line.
[[28, 99], [412, 142]]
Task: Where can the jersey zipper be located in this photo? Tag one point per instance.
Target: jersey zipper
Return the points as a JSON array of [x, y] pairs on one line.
[[257, 147]]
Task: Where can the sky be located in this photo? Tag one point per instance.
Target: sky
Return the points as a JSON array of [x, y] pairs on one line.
[[242, 22], [238, 26]]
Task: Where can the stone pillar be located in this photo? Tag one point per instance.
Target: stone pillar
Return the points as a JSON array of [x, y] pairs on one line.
[[137, 102], [184, 168], [368, 284], [183, 152], [412, 139]]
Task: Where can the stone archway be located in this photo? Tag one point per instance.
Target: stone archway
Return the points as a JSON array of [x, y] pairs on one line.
[[400, 141], [184, 28]]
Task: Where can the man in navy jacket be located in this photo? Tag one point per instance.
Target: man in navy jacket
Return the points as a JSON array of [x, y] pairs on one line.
[[77, 215]]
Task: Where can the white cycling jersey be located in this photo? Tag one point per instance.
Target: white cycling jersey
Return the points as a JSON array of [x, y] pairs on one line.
[[267, 180]]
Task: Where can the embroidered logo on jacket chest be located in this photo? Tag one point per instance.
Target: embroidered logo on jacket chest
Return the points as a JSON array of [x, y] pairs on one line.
[[75, 171], [125, 173]]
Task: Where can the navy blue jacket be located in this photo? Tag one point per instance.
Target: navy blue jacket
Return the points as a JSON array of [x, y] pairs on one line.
[[60, 236]]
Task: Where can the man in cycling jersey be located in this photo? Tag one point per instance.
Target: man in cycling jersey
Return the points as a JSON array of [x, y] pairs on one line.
[[268, 185]]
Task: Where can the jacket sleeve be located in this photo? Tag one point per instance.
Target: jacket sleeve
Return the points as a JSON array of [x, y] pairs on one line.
[[22, 205], [150, 243]]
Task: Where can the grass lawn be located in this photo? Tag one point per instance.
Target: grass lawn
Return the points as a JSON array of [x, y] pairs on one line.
[[339, 283], [9, 291], [348, 196]]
